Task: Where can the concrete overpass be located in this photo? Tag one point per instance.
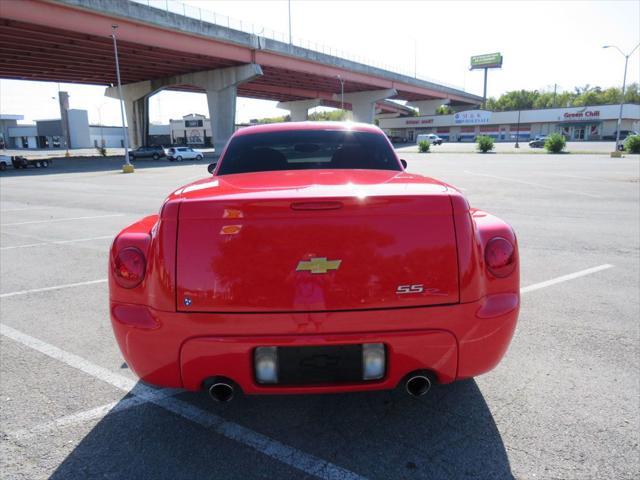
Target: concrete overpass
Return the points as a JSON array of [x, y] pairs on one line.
[[68, 41]]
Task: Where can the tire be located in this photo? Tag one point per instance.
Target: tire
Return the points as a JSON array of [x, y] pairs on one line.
[[178, 159], [36, 164], [155, 156], [3, 166], [198, 157], [45, 163]]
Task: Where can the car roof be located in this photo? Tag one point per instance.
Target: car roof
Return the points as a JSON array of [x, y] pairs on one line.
[[292, 126]]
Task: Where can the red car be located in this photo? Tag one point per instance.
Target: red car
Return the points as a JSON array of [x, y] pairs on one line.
[[312, 262]]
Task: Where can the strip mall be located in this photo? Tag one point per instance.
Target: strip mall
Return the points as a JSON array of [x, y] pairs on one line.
[[575, 123]]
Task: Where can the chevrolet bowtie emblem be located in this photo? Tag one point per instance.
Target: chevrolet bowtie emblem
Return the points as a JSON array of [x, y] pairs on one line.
[[318, 265]]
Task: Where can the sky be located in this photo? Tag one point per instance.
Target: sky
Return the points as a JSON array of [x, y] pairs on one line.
[[542, 42]]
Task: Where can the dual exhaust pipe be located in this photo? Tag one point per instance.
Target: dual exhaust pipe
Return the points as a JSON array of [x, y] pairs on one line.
[[222, 390], [419, 383]]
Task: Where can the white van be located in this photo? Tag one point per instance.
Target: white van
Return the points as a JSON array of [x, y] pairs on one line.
[[432, 138]]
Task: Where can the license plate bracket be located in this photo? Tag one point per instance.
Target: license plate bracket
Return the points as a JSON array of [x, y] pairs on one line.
[[317, 365]]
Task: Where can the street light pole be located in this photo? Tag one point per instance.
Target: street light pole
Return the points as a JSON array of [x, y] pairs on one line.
[[518, 130], [100, 120], [624, 84], [127, 167]]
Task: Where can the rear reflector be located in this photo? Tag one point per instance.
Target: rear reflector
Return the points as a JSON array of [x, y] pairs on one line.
[[500, 257], [266, 364], [373, 361], [129, 267]]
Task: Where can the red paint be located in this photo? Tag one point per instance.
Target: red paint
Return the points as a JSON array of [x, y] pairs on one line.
[[230, 245]]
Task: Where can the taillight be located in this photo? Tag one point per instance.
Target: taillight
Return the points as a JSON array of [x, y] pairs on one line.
[[129, 267], [500, 256]]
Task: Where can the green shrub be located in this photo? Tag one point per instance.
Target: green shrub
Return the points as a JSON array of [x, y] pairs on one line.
[[485, 143], [632, 144], [555, 143], [423, 146], [102, 151]]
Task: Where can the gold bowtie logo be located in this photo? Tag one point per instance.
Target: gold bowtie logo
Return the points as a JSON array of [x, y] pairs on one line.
[[318, 265]]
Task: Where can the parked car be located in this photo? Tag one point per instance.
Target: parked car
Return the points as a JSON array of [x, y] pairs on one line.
[[155, 151], [184, 153], [397, 139], [409, 286], [5, 161], [432, 138], [538, 142], [623, 135]]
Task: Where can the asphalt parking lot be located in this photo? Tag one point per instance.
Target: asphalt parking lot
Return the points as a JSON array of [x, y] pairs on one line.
[[563, 404]]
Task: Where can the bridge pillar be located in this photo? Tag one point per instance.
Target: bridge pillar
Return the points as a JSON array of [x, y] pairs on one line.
[[428, 107], [220, 86], [136, 106], [363, 104], [299, 109]]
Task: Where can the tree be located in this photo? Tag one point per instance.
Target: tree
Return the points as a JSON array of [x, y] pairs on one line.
[[579, 97], [444, 110]]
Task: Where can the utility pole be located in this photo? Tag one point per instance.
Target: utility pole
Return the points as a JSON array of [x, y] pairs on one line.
[[555, 91], [415, 58], [290, 22], [127, 167]]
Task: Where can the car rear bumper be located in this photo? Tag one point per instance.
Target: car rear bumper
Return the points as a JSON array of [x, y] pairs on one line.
[[182, 350]]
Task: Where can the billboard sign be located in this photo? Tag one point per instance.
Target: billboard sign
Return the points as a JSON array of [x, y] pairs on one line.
[[488, 60]]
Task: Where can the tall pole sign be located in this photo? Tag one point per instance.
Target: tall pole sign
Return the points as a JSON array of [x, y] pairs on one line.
[[485, 62]]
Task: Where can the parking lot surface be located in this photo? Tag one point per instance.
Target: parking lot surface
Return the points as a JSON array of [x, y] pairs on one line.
[[564, 402]]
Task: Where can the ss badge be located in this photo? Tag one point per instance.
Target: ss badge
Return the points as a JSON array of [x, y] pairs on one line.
[[417, 288]]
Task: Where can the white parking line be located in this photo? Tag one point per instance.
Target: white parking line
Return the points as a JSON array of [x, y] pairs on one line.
[[293, 457], [61, 219], [48, 289], [22, 209], [56, 242], [143, 394], [539, 185], [565, 278]]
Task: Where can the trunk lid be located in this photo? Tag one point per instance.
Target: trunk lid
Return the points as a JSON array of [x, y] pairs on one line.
[[320, 247]]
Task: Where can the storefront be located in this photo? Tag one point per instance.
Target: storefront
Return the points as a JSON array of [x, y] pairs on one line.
[[576, 124], [192, 130]]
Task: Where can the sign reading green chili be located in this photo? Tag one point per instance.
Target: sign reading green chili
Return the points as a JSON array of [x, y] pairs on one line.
[[488, 60]]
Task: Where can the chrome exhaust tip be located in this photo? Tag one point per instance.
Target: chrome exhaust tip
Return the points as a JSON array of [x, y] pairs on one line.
[[417, 385], [220, 390]]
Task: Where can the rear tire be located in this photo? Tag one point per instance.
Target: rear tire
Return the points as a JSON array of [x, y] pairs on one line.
[[155, 156], [179, 159], [36, 164], [198, 157], [45, 163]]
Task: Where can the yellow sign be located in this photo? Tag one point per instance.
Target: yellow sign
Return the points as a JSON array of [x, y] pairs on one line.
[[318, 265]]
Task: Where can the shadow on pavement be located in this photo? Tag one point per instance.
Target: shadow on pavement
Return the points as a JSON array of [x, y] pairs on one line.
[[99, 164], [449, 433]]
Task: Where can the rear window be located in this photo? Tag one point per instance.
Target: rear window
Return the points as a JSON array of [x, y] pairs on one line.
[[308, 149]]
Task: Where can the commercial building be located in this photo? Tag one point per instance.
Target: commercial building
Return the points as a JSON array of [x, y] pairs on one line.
[[575, 123], [50, 133]]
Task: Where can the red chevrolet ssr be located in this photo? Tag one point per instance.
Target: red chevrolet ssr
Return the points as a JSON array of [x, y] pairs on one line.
[[310, 261]]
